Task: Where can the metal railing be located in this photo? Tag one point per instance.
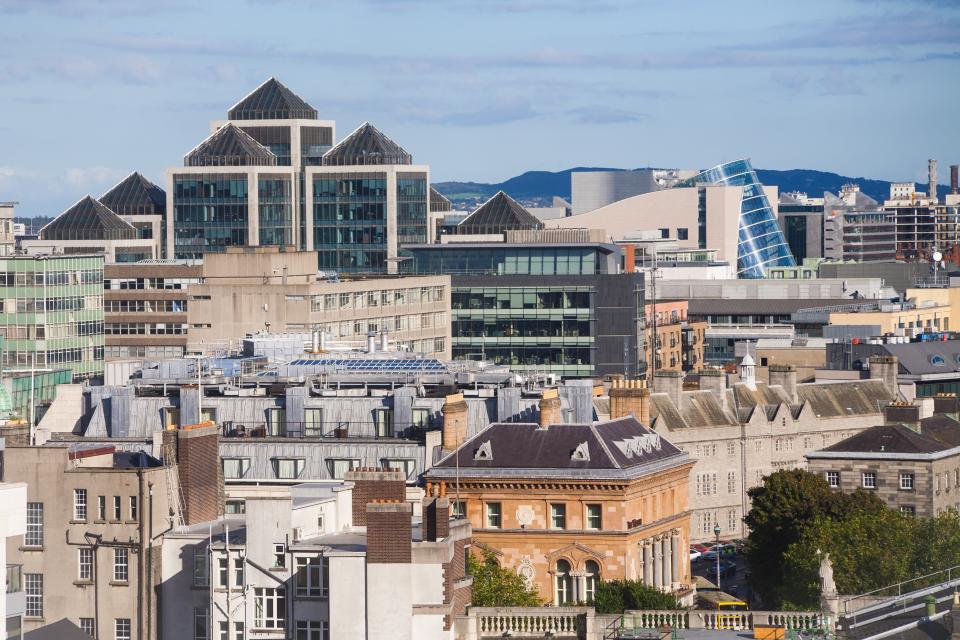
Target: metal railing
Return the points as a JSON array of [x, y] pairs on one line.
[[878, 598], [14, 579], [337, 429]]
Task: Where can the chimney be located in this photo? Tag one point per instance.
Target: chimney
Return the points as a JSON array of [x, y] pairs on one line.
[[199, 472], [886, 368], [629, 258], [932, 168], [904, 413], [388, 532], [784, 375], [436, 518], [670, 383], [945, 403], [454, 421], [715, 381], [954, 178], [371, 485], [629, 397], [550, 408]]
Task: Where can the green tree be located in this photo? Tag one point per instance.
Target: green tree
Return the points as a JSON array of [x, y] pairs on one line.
[[494, 586], [616, 596]]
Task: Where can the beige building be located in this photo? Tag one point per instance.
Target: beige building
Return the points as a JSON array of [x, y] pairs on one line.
[[249, 289], [926, 314]]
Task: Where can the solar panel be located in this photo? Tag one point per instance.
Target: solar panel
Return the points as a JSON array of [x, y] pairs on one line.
[[373, 365]]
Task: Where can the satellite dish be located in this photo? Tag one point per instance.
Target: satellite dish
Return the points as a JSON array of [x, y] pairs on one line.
[[937, 256]]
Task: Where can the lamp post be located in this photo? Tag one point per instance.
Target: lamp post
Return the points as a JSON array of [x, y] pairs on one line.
[[716, 532]]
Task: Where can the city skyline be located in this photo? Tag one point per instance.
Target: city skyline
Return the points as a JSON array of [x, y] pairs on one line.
[[116, 88]]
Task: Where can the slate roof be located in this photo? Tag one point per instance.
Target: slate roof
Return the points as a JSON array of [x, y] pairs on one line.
[[367, 145], [230, 146], [705, 306], [888, 438], [498, 214], [919, 358], [89, 219], [439, 202], [942, 428], [272, 101], [62, 629], [135, 196], [613, 448]]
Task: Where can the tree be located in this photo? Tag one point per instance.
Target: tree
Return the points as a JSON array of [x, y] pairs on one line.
[[494, 586], [616, 596]]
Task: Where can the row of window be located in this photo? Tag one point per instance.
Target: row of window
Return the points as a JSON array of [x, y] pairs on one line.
[[145, 306], [412, 322], [705, 521], [49, 278], [116, 513], [41, 305], [868, 480], [51, 331], [593, 516], [145, 329], [292, 468], [376, 298], [149, 283]]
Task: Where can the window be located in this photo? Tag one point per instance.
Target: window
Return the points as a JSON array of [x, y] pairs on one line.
[[731, 448], [564, 583], [312, 630], [906, 481], [269, 608], [79, 504], [908, 510], [493, 515], [288, 468], [235, 507], [682, 233], [338, 467], [407, 465], [237, 631], [313, 425], [558, 516], [116, 508], [277, 422], [833, 479], [869, 480], [121, 629], [594, 516], [201, 567], [731, 481], [591, 580], [312, 576], [85, 568], [383, 420], [279, 556], [200, 624], [421, 418], [87, 626], [732, 520], [121, 567], [133, 507], [33, 586], [101, 508], [223, 572], [235, 467], [238, 577], [458, 508], [34, 535]]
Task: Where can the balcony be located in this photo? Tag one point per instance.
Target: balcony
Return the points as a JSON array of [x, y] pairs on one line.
[[16, 598]]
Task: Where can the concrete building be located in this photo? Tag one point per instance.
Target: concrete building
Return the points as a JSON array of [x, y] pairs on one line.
[[321, 561], [568, 505], [908, 318], [592, 190], [8, 238], [13, 525], [916, 220]]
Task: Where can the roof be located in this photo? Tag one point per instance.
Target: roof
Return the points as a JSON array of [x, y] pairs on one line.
[[62, 629], [616, 448], [942, 428], [739, 306], [888, 438], [921, 358], [438, 201], [367, 145], [498, 214], [135, 195], [89, 219], [272, 101], [230, 146]]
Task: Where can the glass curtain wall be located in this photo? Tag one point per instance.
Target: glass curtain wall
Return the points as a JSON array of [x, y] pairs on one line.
[[412, 204], [350, 221], [209, 213], [276, 210]]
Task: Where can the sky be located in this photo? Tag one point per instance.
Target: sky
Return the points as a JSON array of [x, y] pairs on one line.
[[91, 90]]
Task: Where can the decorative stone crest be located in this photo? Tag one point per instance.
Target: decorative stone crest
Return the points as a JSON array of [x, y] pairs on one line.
[[526, 570], [484, 452], [525, 515]]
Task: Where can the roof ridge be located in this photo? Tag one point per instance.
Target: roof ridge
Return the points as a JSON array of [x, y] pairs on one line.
[[603, 443]]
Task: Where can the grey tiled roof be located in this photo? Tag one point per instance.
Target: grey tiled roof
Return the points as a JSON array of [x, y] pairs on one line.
[[366, 146], [135, 195], [888, 438], [89, 219], [499, 213], [230, 146], [272, 101]]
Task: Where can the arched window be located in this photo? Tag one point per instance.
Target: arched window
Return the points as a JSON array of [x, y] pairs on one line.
[[564, 583], [591, 580]]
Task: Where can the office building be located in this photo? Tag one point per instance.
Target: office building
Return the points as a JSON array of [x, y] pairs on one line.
[[497, 215], [142, 204], [916, 220], [801, 218], [592, 190], [53, 313]]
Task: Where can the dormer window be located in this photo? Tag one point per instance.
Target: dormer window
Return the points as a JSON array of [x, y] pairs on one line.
[[581, 453], [484, 452]]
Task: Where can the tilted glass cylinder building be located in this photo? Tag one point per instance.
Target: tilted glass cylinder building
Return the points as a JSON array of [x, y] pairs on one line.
[[761, 243]]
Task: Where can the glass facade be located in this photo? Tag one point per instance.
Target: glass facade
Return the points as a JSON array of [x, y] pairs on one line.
[[52, 314], [350, 221], [505, 260], [412, 205], [275, 205], [761, 242], [209, 213]]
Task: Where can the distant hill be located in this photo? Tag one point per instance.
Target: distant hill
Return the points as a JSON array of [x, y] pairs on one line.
[[546, 184]]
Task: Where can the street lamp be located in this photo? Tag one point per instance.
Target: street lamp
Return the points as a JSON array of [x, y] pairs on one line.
[[716, 532]]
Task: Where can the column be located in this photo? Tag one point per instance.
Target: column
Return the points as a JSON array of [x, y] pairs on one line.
[[667, 563], [658, 562], [677, 557], [647, 563], [253, 208], [392, 239]]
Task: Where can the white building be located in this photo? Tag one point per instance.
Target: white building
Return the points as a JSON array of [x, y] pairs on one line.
[[594, 189], [13, 523]]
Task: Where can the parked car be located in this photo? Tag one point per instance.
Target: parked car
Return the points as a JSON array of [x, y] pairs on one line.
[[725, 550], [702, 548], [694, 554], [727, 568]]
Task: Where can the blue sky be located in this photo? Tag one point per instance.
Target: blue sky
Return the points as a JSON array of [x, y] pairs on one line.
[[483, 89]]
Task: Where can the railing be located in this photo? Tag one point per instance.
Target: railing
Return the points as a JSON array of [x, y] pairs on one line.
[[14, 578], [532, 622], [338, 429], [853, 604]]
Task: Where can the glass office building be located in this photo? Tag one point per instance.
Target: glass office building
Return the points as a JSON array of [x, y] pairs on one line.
[[761, 243]]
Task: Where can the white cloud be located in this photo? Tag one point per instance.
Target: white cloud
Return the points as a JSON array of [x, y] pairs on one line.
[[87, 177]]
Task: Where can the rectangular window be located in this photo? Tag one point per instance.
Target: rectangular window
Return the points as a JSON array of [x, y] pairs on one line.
[[121, 629], [731, 448], [223, 566], [288, 468], [116, 508], [383, 420], [869, 480], [101, 508], [558, 516], [34, 535], [235, 467], [731, 481], [269, 608], [121, 567], [133, 508], [238, 577], [87, 626], [279, 556], [237, 631], [908, 510], [277, 422], [407, 465], [458, 508], [80, 504], [594, 516], [85, 568], [682, 233], [312, 574], [235, 507], [906, 481], [312, 630], [833, 479], [200, 624], [493, 515], [33, 586], [201, 567], [313, 427], [338, 467]]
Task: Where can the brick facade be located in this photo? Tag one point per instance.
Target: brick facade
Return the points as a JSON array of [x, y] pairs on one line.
[[388, 533], [374, 485], [199, 469], [436, 519]]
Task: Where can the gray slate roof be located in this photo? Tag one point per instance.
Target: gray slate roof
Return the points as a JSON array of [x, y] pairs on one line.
[[230, 146], [498, 214], [272, 101], [62, 629], [366, 146], [888, 438], [918, 358], [89, 219], [135, 196]]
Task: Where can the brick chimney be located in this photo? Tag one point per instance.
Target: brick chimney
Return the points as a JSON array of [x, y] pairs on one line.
[[784, 375], [905, 413], [629, 397], [199, 472], [715, 381], [670, 383], [436, 518], [550, 408], [886, 368], [946, 403], [454, 421], [372, 485], [388, 532]]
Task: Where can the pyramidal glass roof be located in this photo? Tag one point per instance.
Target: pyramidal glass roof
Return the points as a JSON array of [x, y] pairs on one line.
[[272, 101], [498, 214], [438, 201], [366, 145], [89, 219], [230, 146], [135, 196]]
